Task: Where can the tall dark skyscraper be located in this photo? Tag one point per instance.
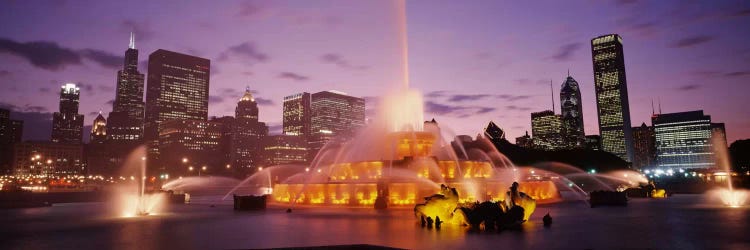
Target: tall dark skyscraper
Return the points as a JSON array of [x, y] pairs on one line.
[[571, 106], [644, 147], [67, 124], [11, 132], [494, 133], [612, 96], [177, 89], [247, 134], [126, 119]]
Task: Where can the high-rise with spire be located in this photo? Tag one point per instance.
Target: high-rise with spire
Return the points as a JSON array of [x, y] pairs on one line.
[[247, 134], [67, 124], [572, 114], [98, 130], [126, 119], [612, 95]]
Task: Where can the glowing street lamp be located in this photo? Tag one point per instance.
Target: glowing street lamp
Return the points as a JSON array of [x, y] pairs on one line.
[[228, 166], [184, 159]]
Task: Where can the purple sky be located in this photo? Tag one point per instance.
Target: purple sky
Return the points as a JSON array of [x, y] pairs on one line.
[[474, 61]]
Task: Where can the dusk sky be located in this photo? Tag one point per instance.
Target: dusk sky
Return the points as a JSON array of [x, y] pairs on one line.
[[474, 61]]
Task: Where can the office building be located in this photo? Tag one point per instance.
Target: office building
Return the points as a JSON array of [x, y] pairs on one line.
[[48, 158], [125, 123], [184, 143], [546, 130], [644, 147], [247, 136], [67, 124], [611, 89], [683, 140], [571, 107], [284, 149], [334, 115], [177, 88]]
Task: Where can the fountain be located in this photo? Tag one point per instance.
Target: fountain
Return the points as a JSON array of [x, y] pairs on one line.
[[729, 196], [399, 158], [132, 198]]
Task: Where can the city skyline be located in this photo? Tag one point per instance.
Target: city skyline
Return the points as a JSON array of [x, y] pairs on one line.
[[521, 61]]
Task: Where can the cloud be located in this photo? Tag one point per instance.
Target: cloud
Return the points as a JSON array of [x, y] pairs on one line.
[[264, 102], [43, 54], [338, 60], [141, 30], [248, 9], [293, 76], [461, 98], [246, 50], [4, 73], [689, 87], [625, 2], [517, 108], [51, 56], [692, 41], [110, 102], [103, 58], [455, 110], [436, 94], [737, 73], [566, 52], [513, 98], [212, 99], [44, 90], [740, 13]]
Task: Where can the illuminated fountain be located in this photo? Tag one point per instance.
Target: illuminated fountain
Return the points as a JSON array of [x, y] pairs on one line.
[[399, 159], [132, 198], [729, 196]]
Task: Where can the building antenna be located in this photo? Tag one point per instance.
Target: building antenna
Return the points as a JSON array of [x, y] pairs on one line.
[[132, 41], [552, 94], [568, 72], [660, 105], [652, 107]]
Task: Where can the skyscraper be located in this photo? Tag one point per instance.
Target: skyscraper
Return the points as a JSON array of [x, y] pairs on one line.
[[545, 129], [494, 132], [10, 133], [683, 140], [67, 124], [197, 141], [571, 107], [644, 147], [334, 115], [98, 130], [247, 134], [612, 95], [125, 123], [297, 113], [177, 89]]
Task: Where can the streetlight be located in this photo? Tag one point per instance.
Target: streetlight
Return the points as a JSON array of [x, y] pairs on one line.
[[228, 166], [202, 170], [184, 159]]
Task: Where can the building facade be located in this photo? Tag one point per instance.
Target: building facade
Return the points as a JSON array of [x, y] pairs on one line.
[[125, 123], [98, 133], [11, 132], [48, 158], [184, 143], [284, 149], [334, 115], [177, 89], [546, 130], [67, 124], [248, 135], [594, 142], [297, 114], [611, 88], [571, 107], [683, 140], [644, 147], [525, 141]]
